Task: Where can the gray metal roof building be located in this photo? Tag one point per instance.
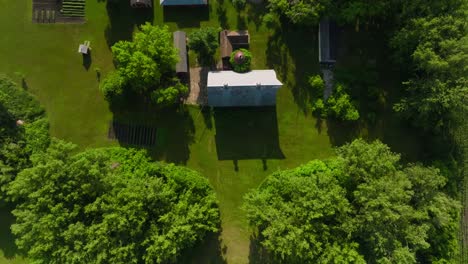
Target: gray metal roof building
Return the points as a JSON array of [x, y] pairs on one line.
[[181, 45], [254, 88]]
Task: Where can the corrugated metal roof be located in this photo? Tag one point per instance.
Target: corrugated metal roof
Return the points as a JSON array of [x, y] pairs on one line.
[[181, 45], [183, 2], [252, 78]]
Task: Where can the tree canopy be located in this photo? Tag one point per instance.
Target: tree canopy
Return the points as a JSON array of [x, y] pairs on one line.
[[109, 206], [338, 105], [146, 66], [305, 12], [204, 42], [437, 48], [363, 206], [19, 141]]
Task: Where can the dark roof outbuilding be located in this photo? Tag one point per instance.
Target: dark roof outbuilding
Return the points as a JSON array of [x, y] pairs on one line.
[[180, 42]]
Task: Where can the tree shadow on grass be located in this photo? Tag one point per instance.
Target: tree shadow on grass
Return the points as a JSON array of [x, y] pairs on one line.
[[186, 16], [207, 251], [222, 15], [7, 240], [293, 52], [365, 68], [258, 254], [123, 19], [255, 13], [247, 133], [173, 126]]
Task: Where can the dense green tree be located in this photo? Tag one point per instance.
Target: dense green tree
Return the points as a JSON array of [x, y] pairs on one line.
[[438, 50], [18, 142], [305, 12], [109, 206], [338, 105], [204, 42], [303, 215], [385, 212], [145, 66]]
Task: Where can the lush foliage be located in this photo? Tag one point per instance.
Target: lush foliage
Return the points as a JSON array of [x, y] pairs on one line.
[[204, 42], [305, 12], [303, 215], [437, 46], [244, 65], [362, 206], [18, 142], [338, 105], [239, 4], [109, 206], [146, 66]]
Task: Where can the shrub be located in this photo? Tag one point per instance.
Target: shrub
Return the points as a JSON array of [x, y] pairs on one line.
[[204, 42], [338, 105], [240, 60]]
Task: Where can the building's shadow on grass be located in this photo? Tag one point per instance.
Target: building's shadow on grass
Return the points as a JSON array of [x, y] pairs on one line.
[[173, 126], [292, 52], [207, 251], [7, 240], [247, 133], [123, 19], [186, 16]]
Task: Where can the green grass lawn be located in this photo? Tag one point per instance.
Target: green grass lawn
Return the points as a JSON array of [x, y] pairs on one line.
[[230, 147]]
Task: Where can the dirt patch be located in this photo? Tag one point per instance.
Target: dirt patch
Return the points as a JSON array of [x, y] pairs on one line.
[[198, 92]]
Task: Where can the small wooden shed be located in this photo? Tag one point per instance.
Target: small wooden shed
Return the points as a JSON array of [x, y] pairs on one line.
[[230, 41]]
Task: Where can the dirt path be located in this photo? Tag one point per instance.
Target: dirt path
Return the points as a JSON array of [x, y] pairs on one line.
[[198, 94]]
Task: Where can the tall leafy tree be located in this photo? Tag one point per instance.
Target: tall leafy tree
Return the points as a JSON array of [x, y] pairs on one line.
[[438, 50], [109, 206], [377, 210], [305, 12], [18, 141], [204, 42], [146, 66], [302, 216]]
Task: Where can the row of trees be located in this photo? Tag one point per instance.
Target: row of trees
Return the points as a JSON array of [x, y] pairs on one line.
[[361, 207]]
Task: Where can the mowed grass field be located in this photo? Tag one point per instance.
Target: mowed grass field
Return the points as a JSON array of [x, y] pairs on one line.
[[235, 148]]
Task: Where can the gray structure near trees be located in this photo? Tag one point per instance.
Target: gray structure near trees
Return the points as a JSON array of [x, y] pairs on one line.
[[180, 42], [231, 89], [327, 41]]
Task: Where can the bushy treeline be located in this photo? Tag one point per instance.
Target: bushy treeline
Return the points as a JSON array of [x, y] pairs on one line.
[[429, 41], [145, 66], [24, 130], [109, 205], [363, 206]]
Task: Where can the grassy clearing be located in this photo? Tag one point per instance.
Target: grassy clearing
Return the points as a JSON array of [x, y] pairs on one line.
[[233, 149]]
